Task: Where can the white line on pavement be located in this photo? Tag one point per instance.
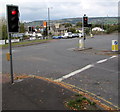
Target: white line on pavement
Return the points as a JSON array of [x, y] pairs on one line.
[[82, 69], [101, 61], [113, 57], [75, 72]]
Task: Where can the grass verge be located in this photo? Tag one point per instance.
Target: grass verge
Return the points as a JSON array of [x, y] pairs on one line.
[[25, 43], [78, 102]]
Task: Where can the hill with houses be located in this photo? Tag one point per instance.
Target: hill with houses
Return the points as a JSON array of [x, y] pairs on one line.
[[92, 20]]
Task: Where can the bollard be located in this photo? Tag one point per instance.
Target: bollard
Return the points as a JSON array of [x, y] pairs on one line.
[[81, 43], [91, 35], [114, 45]]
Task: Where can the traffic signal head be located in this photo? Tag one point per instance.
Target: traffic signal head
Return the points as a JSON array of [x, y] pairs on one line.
[[29, 29], [85, 21], [13, 18]]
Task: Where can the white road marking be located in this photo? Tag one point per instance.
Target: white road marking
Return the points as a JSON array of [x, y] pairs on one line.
[[113, 57], [101, 61], [13, 50], [83, 69], [75, 72]]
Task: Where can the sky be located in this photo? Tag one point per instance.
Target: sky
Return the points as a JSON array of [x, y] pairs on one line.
[[32, 10]]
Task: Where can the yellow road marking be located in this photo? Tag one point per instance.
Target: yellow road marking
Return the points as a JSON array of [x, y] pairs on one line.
[[77, 90], [93, 95]]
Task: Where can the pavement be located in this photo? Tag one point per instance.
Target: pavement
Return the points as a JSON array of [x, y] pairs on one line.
[[33, 94], [39, 93]]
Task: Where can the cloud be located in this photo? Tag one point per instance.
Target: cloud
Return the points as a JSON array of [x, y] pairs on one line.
[[38, 9]]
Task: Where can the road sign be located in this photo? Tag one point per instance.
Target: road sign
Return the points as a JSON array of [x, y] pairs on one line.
[[115, 42], [114, 45], [44, 24]]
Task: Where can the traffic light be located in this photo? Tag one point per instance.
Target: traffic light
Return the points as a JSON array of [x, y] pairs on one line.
[[89, 25], [29, 29], [45, 32], [85, 21], [33, 30], [13, 18]]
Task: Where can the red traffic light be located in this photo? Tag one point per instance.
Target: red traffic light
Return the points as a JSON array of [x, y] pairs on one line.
[[14, 12], [85, 19]]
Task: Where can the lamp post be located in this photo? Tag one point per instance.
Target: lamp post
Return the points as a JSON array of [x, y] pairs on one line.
[[49, 19]]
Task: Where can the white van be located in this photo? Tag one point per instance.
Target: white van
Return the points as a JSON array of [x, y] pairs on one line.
[[67, 35]]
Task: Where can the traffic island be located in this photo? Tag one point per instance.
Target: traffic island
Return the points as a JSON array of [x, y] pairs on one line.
[[97, 51], [82, 49]]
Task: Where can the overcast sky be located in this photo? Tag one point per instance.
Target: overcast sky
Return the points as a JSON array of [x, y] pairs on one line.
[[31, 10]]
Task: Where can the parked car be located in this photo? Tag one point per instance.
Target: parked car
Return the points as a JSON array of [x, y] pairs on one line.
[[67, 35], [80, 35], [38, 35], [74, 35], [57, 37]]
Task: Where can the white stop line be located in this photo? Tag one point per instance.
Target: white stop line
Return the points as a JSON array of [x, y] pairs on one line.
[[82, 69]]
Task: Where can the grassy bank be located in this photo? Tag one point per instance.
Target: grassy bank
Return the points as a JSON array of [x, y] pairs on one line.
[[25, 43]]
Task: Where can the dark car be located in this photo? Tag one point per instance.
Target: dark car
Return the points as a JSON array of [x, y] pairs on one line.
[[57, 37]]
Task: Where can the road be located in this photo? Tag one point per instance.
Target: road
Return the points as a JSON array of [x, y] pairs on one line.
[[91, 72]]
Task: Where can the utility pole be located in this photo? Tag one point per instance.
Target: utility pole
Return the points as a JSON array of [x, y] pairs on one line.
[[49, 20]]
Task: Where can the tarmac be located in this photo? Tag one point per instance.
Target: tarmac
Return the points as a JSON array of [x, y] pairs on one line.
[[33, 94]]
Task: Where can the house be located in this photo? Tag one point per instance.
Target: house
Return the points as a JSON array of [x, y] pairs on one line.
[[98, 29], [57, 29], [79, 30]]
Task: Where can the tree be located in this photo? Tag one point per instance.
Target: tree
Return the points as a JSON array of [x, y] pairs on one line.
[[4, 32], [22, 28], [79, 24], [67, 25], [112, 28], [73, 30]]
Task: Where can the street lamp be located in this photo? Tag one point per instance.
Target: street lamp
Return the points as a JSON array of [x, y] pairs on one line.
[[49, 19]]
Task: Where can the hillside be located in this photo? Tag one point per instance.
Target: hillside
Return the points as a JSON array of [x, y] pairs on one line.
[[92, 20]]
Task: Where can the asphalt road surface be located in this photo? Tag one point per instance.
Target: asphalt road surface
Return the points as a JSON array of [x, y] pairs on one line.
[[57, 60]]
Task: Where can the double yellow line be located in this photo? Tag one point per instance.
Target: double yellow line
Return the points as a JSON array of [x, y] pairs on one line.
[[78, 90], [92, 94]]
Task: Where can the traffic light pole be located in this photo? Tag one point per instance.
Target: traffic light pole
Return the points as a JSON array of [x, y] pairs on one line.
[[12, 27], [83, 33], [11, 64]]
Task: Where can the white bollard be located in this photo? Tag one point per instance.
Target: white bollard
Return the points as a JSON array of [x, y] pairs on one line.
[[114, 45], [81, 43], [91, 35]]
